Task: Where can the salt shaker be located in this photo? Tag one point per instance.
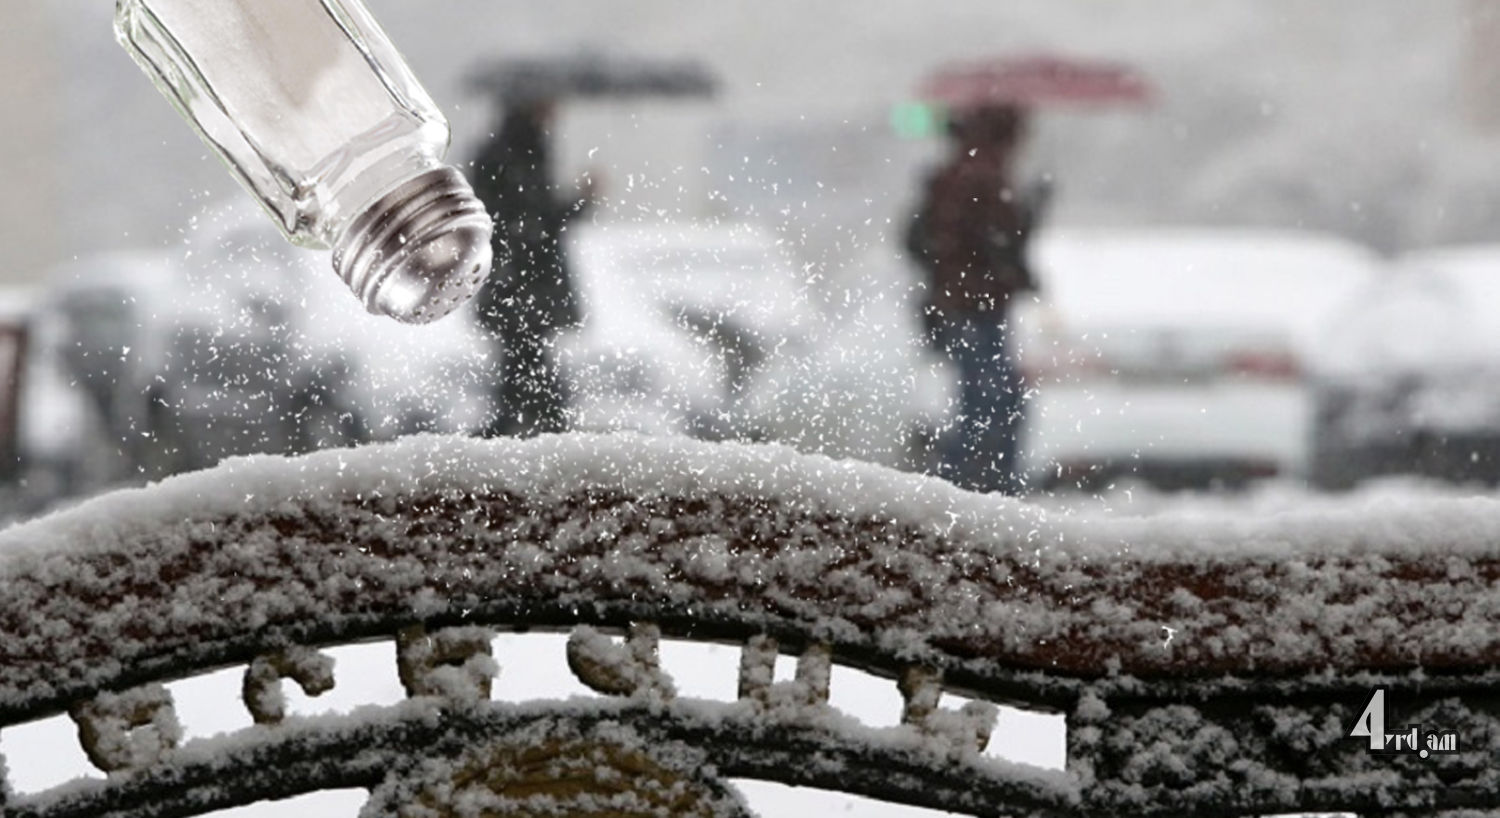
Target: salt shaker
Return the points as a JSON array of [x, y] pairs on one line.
[[319, 117]]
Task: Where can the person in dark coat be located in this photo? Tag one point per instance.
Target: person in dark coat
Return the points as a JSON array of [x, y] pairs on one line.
[[969, 236], [530, 298]]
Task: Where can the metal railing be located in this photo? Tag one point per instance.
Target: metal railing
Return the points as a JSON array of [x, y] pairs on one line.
[[1192, 682]]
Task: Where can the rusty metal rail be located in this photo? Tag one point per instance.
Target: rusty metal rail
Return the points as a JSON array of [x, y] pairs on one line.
[[1224, 684]]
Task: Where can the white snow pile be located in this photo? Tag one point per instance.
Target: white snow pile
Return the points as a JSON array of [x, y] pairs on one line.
[[614, 529]]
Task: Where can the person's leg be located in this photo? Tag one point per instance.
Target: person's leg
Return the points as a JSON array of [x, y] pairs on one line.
[[981, 452], [963, 449], [514, 411], [1009, 415], [954, 443], [532, 399], [549, 399]]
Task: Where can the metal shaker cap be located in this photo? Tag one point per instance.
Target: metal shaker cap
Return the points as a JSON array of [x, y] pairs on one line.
[[420, 251]]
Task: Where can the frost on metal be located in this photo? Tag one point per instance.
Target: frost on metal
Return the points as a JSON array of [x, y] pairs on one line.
[[558, 767], [1160, 639], [631, 669], [261, 691], [921, 689], [808, 688], [129, 730], [453, 663]]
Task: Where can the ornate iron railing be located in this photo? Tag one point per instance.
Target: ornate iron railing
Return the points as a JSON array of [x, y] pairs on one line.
[[1218, 670]]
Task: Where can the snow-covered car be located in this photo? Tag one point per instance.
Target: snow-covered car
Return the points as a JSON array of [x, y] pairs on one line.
[[1176, 355], [49, 445], [713, 331], [1412, 386]]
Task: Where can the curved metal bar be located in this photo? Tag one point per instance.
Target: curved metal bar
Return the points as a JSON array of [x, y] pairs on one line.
[[884, 594], [736, 543], [302, 756]]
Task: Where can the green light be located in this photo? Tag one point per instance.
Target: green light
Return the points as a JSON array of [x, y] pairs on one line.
[[917, 120]]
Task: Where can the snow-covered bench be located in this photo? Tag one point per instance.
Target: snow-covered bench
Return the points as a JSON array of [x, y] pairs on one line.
[[1213, 666]]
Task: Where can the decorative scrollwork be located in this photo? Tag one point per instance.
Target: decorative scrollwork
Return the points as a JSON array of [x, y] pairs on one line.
[[921, 690], [261, 691], [631, 669], [381, 747], [454, 663], [1273, 648], [809, 687], [129, 730], [604, 772]]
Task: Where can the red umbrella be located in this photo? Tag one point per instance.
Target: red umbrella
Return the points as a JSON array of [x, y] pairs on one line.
[[1034, 81]]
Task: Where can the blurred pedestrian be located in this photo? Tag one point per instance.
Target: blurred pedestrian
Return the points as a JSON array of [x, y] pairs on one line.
[[969, 235], [530, 298]]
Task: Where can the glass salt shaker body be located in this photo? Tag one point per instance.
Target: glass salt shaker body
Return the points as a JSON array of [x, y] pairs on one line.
[[318, 115]]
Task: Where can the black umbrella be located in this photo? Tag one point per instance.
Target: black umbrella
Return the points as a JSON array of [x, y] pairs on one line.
[[592, 75]]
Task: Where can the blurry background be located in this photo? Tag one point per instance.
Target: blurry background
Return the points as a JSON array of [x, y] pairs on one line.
[[1334, 151], [1373, 120]]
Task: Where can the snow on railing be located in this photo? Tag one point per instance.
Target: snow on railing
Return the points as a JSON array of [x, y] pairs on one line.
[[1217, 666]]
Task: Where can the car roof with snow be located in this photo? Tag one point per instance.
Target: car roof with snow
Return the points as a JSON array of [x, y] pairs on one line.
[[1200, 278], [736, 270], [1430, 313], [1470, 280]]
